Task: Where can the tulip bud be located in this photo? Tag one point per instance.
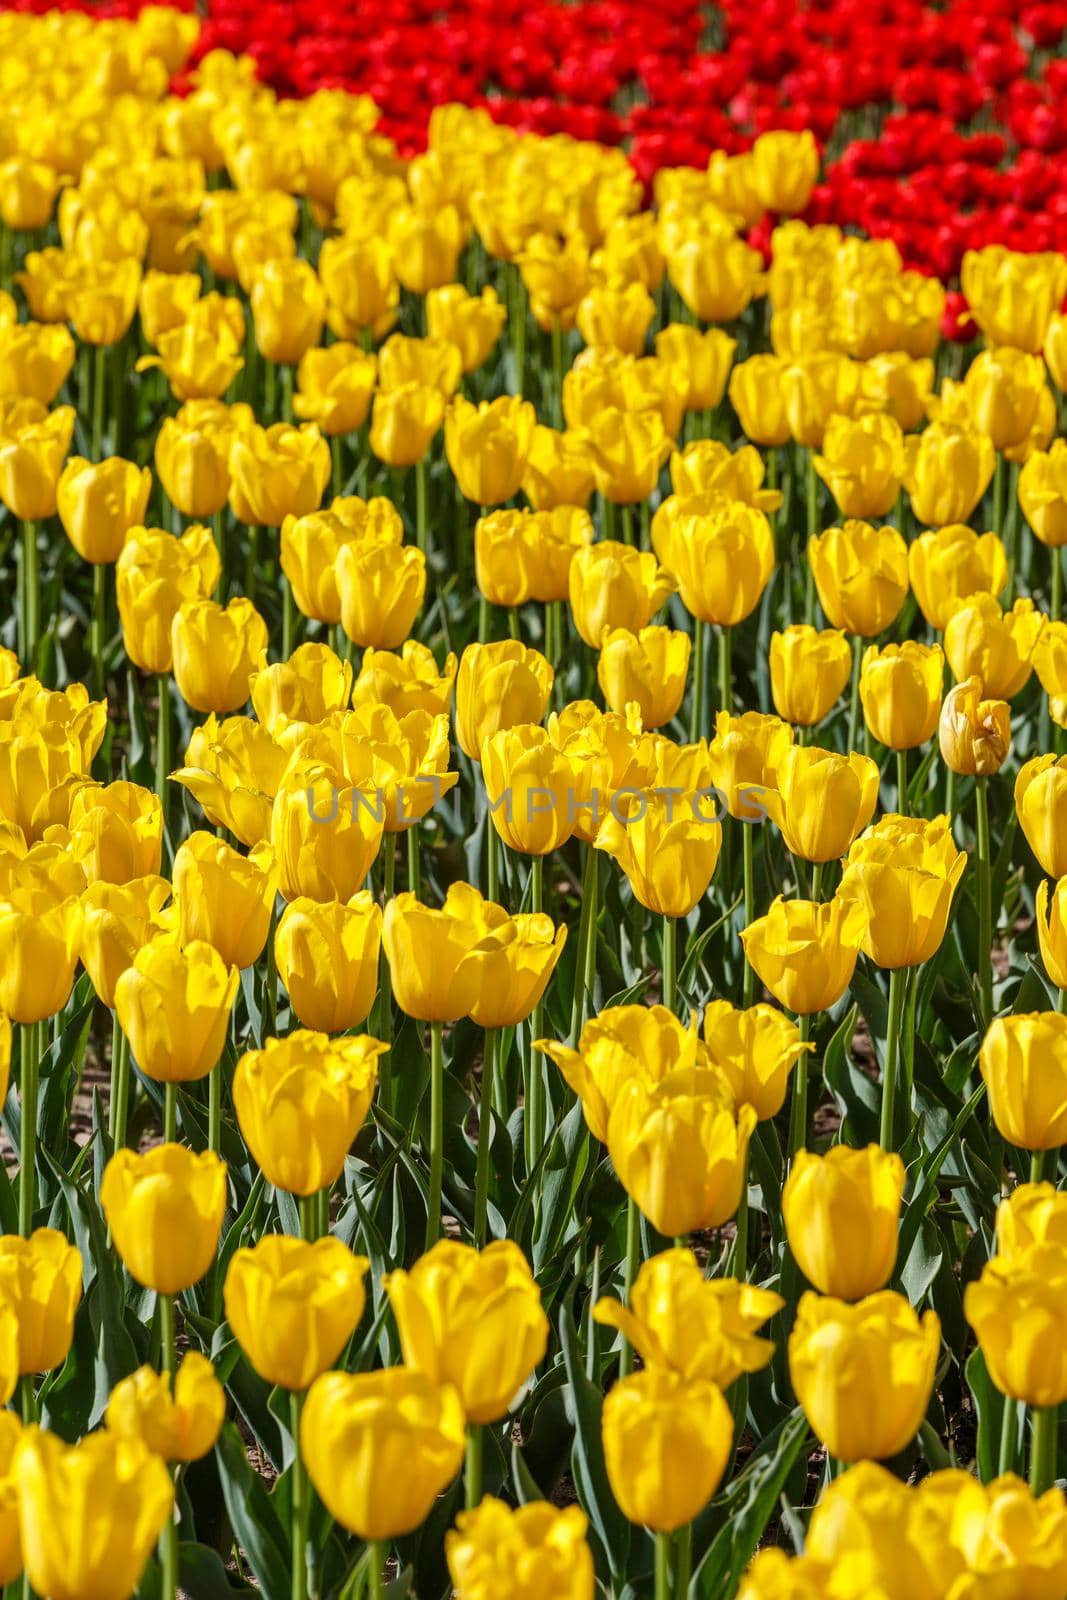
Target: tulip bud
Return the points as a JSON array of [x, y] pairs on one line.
[[293, 1305], [805, 951], [300, 1102], [174, 1007], [164, 1209], [1023, 1061], [179, 1426], [900, 691], [975, 734], [863, 1373], [667, 1441]]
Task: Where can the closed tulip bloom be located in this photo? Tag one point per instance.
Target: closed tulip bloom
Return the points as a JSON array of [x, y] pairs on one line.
[[192, 458], [293, 1305], [429, 951], [234, 770], [809, 671], [405, 680], [277, 472], [643, 1042], [426, 246], [164, 1209], [815, 388], [1041, 800], [198, 362], [974, 734], [649, 668], [616, 318], [666, 846], [360, 285], [954, 563], [756, 395], [380, 1447], [744, 757], [1043, 493], [381, 589], [893, 384], [679, 1147], [98, 505], [288, 308], [842, 1212], [667, 1441], [39, 940], [716, 273], [174, 1007], [325, 832], [10, 1540], [434, 362], [530, 787], [311, 545], [102, 298], [1050, 914], [35, 359], [1003, 388], [487, 447], [155, 576], [499, 686], [327, 958], [863, 1373], [823, 800], [1016, 1309], [1033, 1214], [165, 300], [300, 1102], [559, 470], [473, 323], [861, 574], [224, 898], [757, 1049], [89, 1513], [627, 448], [526, 555], [117, 919], [309, 687], [471, 1320], [679, 1321], [526, 1553], [335, 385], [513, 962], [947, 470], [805, 951], [903, 873], [862, 464], [179, 1425], [723, 560], [217, 650], [1023, 1060], [900, 690], [785, 167], [404, 421], [701, 361], [1013, 296], [708, 467], [996, 647], [116, 833], [41, 1280], [612, 585], [31, 460]]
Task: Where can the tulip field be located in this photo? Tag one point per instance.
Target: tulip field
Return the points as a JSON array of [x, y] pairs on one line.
[[533, 800]]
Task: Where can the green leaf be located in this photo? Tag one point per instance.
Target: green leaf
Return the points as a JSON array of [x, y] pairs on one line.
[[751, 1501], [587, 1460], [255, 1522]]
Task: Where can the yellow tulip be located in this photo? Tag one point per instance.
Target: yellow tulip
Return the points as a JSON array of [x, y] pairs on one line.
[[116, 833], [98, 505], [817, 387], [723, 559], [559, 470], [974, 734], [744, 757], [381, 589], [31, 461], [434, 363], [164, 1209], [117, 919], [174, 1007], [805, 951], [822, 801], [757, 1049], [325, 831], [1040, 797], [1050, 914], [784, 169], [667, 1441], [648, 668], [1016, 1309], [405, 680], [499, 686], [627, 448], [156, 574], [288, 309], [994, 646], [1023, 1061], [903, 873], [234, 769], [614, 318], [277, 472], [182, 1425], [334, 387], [716, 273], [756, 395], [1003, 389], [842, 1213], [198, 363], [861, 574], [529, 784], [525, 1553], [429, 953], [41, 1280], [224, 898], [947, 469], [327, 958], [667, 846], [425, 246], [700, 360], [900, 691], [360, 284], [1013, 296], [293, 1305], [473, 323], [35, 360], [404, 421], [809, 671]]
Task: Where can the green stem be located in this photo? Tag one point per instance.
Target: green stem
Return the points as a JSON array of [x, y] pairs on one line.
[[301, 1502], [163, 759], [170, 1112], [748, 865], [854, 695], [473, 1472], [726, 685], [1043, 1429], [492, 863], [696, 721], [119, 1098], [985, 902], [902, 782], [1009, 1437], [898, 979], [269, 1000], [32, 602], [1000, 530], [168, 1362], [99, 376], [683, 1561], [798, 1104], [485, 1128], [670, 964], [437, 1133], [385, 976], [741, 1237], [633, 1257], [534, 1086], [586, 931], [30, 1041], [1056, 605], [97, 631], [288, 618], [214, 1108], [377, 1565], [420, 504], [414, 864], [663, 1566], [557, 372], [1039, 1162], [309, 1217]]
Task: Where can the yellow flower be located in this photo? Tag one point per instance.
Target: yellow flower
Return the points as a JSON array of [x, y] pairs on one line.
[[89, 1513], [425, 246], [174, 1007], [723, 558], [41, 1281], [473, 323], [900, 690], [527, 555], [708, 467], [165, 300], [716, 273], [525, 1553], [487, 447], [903, 873], [704, 1328], [994, 646], [179, 1426], [1016, 1309], [666, 844], [612, 585], [98, 505], [101, 298], [309, 687], [381, 588], [895, 385], [334, 387], [1013, 296], [744, 757], [817, 387], [224, 898], [648, 668], [357, 275], [809, 671], [757, 397], [862, 464], [429, 952], [199, 363], [1033, 1214], [530, 788], [974, 734], [192, 457], [380, 1447], [616, 318], [234, 769], [300, 1102], [327, 958], [31, 461], [499, 686], [861, 574], [627, 448], [1003, 389], [757, 1049], [217, 651], [310, 546], [404, 421], [434, 363], [784, 169], [325, 832], [293, 1305], [842, 1212], [805, 951], [1050, 914], [406, 680], [1023, 1061], [277, 472], [116, 833], [667, 1442], [644, 1042], [1040, 798], [559, 470], [513, 962], [164, 1209], [288, 308], [863, 1373], [39, 940], [117, 919], [947, 469], [155, 576], [700, 361], [35, 359], [823, 800]]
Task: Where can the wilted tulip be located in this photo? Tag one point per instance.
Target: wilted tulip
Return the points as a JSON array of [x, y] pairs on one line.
[[667, 1441], [179, 1424], [294, 1305], [300, 1102], [900, 691], [974, 734], [861, 574], [805, 951], [174, 1007], [842, 1212], [98, 505], [164, 1209], [809, 671], [903, 872], [1023, 1061], [863, 1373]]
